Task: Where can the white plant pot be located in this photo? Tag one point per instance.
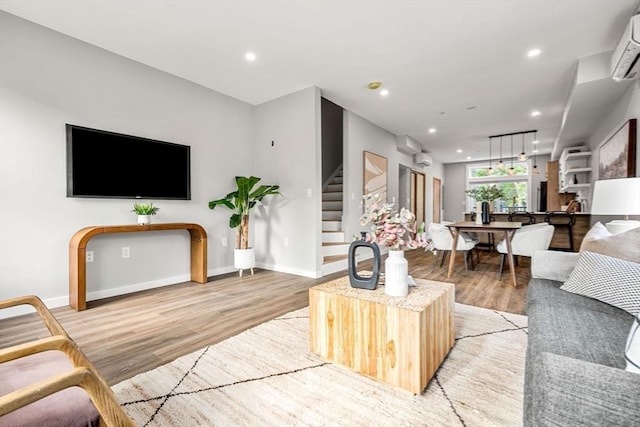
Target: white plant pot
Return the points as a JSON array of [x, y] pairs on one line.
[[144, 219], [396, 272], [244, 258]]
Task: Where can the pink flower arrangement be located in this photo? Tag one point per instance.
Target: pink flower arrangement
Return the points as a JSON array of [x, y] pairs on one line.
[[396, 230]]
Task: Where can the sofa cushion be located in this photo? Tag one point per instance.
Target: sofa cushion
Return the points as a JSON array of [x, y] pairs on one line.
[[632, 351], [608, 279], [574, 325], [624, 245]]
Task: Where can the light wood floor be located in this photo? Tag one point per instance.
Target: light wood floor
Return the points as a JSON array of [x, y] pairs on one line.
[[133, 333]]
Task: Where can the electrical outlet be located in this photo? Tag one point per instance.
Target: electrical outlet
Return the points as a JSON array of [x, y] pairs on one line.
[[286, 241], [309, 192], [126, 253], [89, 255], [224, 242]]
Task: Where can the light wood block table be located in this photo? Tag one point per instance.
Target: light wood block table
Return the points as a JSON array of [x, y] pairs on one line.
[[397, 340]]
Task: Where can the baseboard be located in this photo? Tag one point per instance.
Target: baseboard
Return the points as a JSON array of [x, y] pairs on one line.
[[289, 270]]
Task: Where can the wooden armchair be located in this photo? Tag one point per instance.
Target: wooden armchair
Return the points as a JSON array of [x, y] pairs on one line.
[[39, 381]]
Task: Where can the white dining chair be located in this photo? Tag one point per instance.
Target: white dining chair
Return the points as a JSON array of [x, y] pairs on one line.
[[443, 242], [526, 241]]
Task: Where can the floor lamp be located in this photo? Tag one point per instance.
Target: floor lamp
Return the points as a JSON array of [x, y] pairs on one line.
[[617, 197]]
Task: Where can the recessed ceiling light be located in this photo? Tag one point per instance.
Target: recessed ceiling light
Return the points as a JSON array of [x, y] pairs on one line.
[[535, 113], [533, 53], [468, 157], [250, 56], [384, 92], [535, 151], [536, 141], [432, 130], [459, 150], [374, 85]]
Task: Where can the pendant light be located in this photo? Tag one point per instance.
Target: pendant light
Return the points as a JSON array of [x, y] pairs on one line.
[[535, 170], [522, 156], [511, 170], [500, 165], [490, 170]]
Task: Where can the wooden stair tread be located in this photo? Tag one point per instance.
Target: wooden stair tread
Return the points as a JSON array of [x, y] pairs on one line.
[[333, 258]]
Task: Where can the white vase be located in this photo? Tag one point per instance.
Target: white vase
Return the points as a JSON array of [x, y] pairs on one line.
[[396, 271], [144, 219], [478, 212]]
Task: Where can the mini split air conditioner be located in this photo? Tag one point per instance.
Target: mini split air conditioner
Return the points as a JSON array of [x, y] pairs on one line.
[[423, 159], [625, 64]]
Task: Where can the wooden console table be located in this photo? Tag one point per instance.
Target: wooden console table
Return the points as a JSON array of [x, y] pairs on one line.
[[78, 260]]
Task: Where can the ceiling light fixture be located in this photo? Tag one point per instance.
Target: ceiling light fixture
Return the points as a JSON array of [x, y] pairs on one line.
[[533, 53], [535, 170], [458, 150], [250, 56], [384, 92], [374, 85], [511, 170], [535, 113], [500, 164], [522, 156], [490, 170], [432, 130]]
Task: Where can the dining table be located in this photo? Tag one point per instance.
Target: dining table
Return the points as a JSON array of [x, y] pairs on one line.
[[506, 229]]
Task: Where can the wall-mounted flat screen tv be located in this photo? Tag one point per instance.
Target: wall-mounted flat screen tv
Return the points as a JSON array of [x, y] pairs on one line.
[[112, 165]]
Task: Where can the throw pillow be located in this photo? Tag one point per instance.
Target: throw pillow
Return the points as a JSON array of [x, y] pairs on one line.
[[623, 245], [611, 280], [632, 350], [596, 232]]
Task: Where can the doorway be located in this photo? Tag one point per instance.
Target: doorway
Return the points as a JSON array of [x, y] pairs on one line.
[[437, 199], [418, 195]]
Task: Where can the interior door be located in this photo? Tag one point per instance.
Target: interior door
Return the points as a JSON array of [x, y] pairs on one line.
[[418, 195], [437, 207]]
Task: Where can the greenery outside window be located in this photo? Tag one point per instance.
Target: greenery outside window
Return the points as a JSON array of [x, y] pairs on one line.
[[515, 188]]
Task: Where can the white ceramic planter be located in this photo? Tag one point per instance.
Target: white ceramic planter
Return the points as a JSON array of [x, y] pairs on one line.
[[396, 272], [244, 259], [144, 219]]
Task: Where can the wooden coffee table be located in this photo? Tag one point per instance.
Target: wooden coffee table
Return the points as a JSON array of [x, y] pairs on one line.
[[397, 340]]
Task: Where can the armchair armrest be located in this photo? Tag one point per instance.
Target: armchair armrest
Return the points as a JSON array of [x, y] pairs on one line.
[[553, 265], [81, 373], [573, 392]]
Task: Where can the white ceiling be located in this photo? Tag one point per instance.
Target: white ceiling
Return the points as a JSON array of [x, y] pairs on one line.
[[437, 58]]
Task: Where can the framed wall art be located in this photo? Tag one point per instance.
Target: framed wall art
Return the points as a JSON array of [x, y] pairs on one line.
[[375, 175], [617, 155]]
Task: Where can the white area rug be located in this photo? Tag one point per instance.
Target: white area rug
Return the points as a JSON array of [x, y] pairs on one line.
[[266, 376]]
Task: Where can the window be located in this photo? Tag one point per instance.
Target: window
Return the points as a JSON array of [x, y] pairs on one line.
[[515, 188]]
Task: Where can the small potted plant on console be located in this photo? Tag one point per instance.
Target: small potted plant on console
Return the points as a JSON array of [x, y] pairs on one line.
[[144, 211]]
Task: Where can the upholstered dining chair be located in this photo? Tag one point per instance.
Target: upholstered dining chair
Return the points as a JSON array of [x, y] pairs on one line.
[[443, 241], [526, 241]]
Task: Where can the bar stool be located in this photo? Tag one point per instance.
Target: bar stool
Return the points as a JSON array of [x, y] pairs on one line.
[[526, 218], [562, 219]]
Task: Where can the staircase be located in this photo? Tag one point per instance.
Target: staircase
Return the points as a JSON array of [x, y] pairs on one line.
[[334, 245]]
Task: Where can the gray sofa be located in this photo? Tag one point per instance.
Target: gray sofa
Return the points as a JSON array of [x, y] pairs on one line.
[[575, 368]]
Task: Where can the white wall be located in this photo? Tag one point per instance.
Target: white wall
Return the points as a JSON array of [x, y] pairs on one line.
[[627, 107], [361, 135], [48, 79], [292, 122]]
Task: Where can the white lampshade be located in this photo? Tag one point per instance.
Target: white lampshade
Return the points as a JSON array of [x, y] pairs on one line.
[[616, 197]]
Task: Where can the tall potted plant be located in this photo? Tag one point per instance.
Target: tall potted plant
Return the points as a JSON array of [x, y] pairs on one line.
[[241, 201]]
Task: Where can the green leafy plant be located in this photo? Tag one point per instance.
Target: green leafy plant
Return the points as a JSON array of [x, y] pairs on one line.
[[241, 201], [145, 208], [485, 193]]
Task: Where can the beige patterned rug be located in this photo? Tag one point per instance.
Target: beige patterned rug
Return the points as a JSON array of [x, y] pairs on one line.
[[266, 376]]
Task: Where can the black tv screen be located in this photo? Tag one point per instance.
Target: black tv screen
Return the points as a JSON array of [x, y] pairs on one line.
[[112, 165]]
